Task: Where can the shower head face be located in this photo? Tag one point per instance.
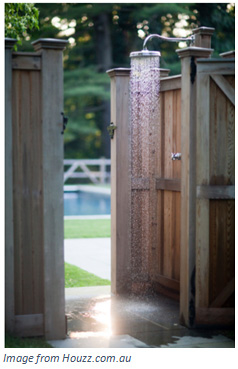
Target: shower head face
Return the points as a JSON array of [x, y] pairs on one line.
[[144, 53]]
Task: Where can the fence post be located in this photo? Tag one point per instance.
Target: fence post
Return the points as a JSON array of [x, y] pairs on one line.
[[52, 166], [188, 56], [9, 228], [120, 198]]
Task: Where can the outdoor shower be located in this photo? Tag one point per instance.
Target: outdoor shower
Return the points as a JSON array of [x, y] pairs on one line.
[[145, 118]]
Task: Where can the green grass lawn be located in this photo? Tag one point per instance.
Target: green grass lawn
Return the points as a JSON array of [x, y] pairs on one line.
[[87, 228], [77, 277], [17, 342]]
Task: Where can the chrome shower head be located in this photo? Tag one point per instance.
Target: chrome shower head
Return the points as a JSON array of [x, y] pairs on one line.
[[144, 53]]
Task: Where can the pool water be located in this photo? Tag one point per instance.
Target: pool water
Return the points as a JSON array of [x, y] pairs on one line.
[[86, 203]]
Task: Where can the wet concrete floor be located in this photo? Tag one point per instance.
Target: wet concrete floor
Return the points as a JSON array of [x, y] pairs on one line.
[[98, 319]]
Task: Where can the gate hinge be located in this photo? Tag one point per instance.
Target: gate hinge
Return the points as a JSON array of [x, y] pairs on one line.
[[193, 69], [65, 121], [111, 128]]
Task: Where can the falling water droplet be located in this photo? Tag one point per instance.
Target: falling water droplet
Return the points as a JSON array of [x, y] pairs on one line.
[[144, 115]]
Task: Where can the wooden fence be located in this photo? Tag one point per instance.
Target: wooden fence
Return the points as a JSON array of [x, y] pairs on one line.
[[34, 257], [102, 175], [215, 192], [183, 245]]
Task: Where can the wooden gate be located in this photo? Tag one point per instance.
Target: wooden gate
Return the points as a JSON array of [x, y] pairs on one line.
[[215, 192], [165, 261], [34, 293]]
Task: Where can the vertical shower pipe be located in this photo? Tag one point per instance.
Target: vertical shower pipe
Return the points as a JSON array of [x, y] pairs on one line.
[[188, 56]]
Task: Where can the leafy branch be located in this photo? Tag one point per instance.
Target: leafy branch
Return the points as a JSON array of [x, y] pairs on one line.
[[19, 18]]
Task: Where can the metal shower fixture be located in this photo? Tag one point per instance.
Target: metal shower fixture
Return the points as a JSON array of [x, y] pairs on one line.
[[146, 52], [189, 39]]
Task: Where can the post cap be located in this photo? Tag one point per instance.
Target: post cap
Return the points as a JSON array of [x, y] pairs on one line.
[[228, 54], [198, 52], [164, 72], [10, 42], [203, 36], [118, 72], [49, 43], [204, 30]]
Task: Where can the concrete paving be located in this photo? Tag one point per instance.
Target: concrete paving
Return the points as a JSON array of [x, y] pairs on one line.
[[97, 319], [90, 254]]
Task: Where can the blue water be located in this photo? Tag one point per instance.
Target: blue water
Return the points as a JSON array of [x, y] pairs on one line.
[[86, 203]]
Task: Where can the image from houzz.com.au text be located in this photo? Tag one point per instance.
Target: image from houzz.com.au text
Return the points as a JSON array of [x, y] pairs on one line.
[[66, 358]]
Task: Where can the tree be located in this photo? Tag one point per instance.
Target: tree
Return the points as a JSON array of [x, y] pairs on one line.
[[101, 36], [19, 18], [220, 16]]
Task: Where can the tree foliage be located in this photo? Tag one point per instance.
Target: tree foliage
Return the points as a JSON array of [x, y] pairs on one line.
[[19, 18], [101, 37]]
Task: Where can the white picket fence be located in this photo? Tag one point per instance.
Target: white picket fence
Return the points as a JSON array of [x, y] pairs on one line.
[[100, 176]]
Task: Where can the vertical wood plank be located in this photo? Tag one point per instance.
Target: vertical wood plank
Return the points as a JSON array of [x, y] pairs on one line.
[[9, 227], [27, 175], [167, 267], [168, 147], [17, 190], [167, 260], [37, 193], [203, 176]]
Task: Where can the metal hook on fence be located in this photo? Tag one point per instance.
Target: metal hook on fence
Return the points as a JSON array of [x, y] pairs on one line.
[[65, 122]]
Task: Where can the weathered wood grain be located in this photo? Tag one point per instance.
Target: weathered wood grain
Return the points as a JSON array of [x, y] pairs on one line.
[[189, 102], [52, 185], [167, 260], [27, 186], [215, 193], [121, 233], [9, 226], [26, 61], [29, 325]]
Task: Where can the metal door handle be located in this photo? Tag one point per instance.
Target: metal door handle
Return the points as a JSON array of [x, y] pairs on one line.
[[176, 156]]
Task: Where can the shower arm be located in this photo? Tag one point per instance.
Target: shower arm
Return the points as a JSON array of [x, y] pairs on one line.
[[189, 39]]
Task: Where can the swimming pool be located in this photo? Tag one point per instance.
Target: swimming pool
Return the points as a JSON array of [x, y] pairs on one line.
[[86, 203]]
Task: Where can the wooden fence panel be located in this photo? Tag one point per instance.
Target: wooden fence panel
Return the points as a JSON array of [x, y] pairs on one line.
[[215, 215], [166, 254], [27, 189], [34, 178]]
